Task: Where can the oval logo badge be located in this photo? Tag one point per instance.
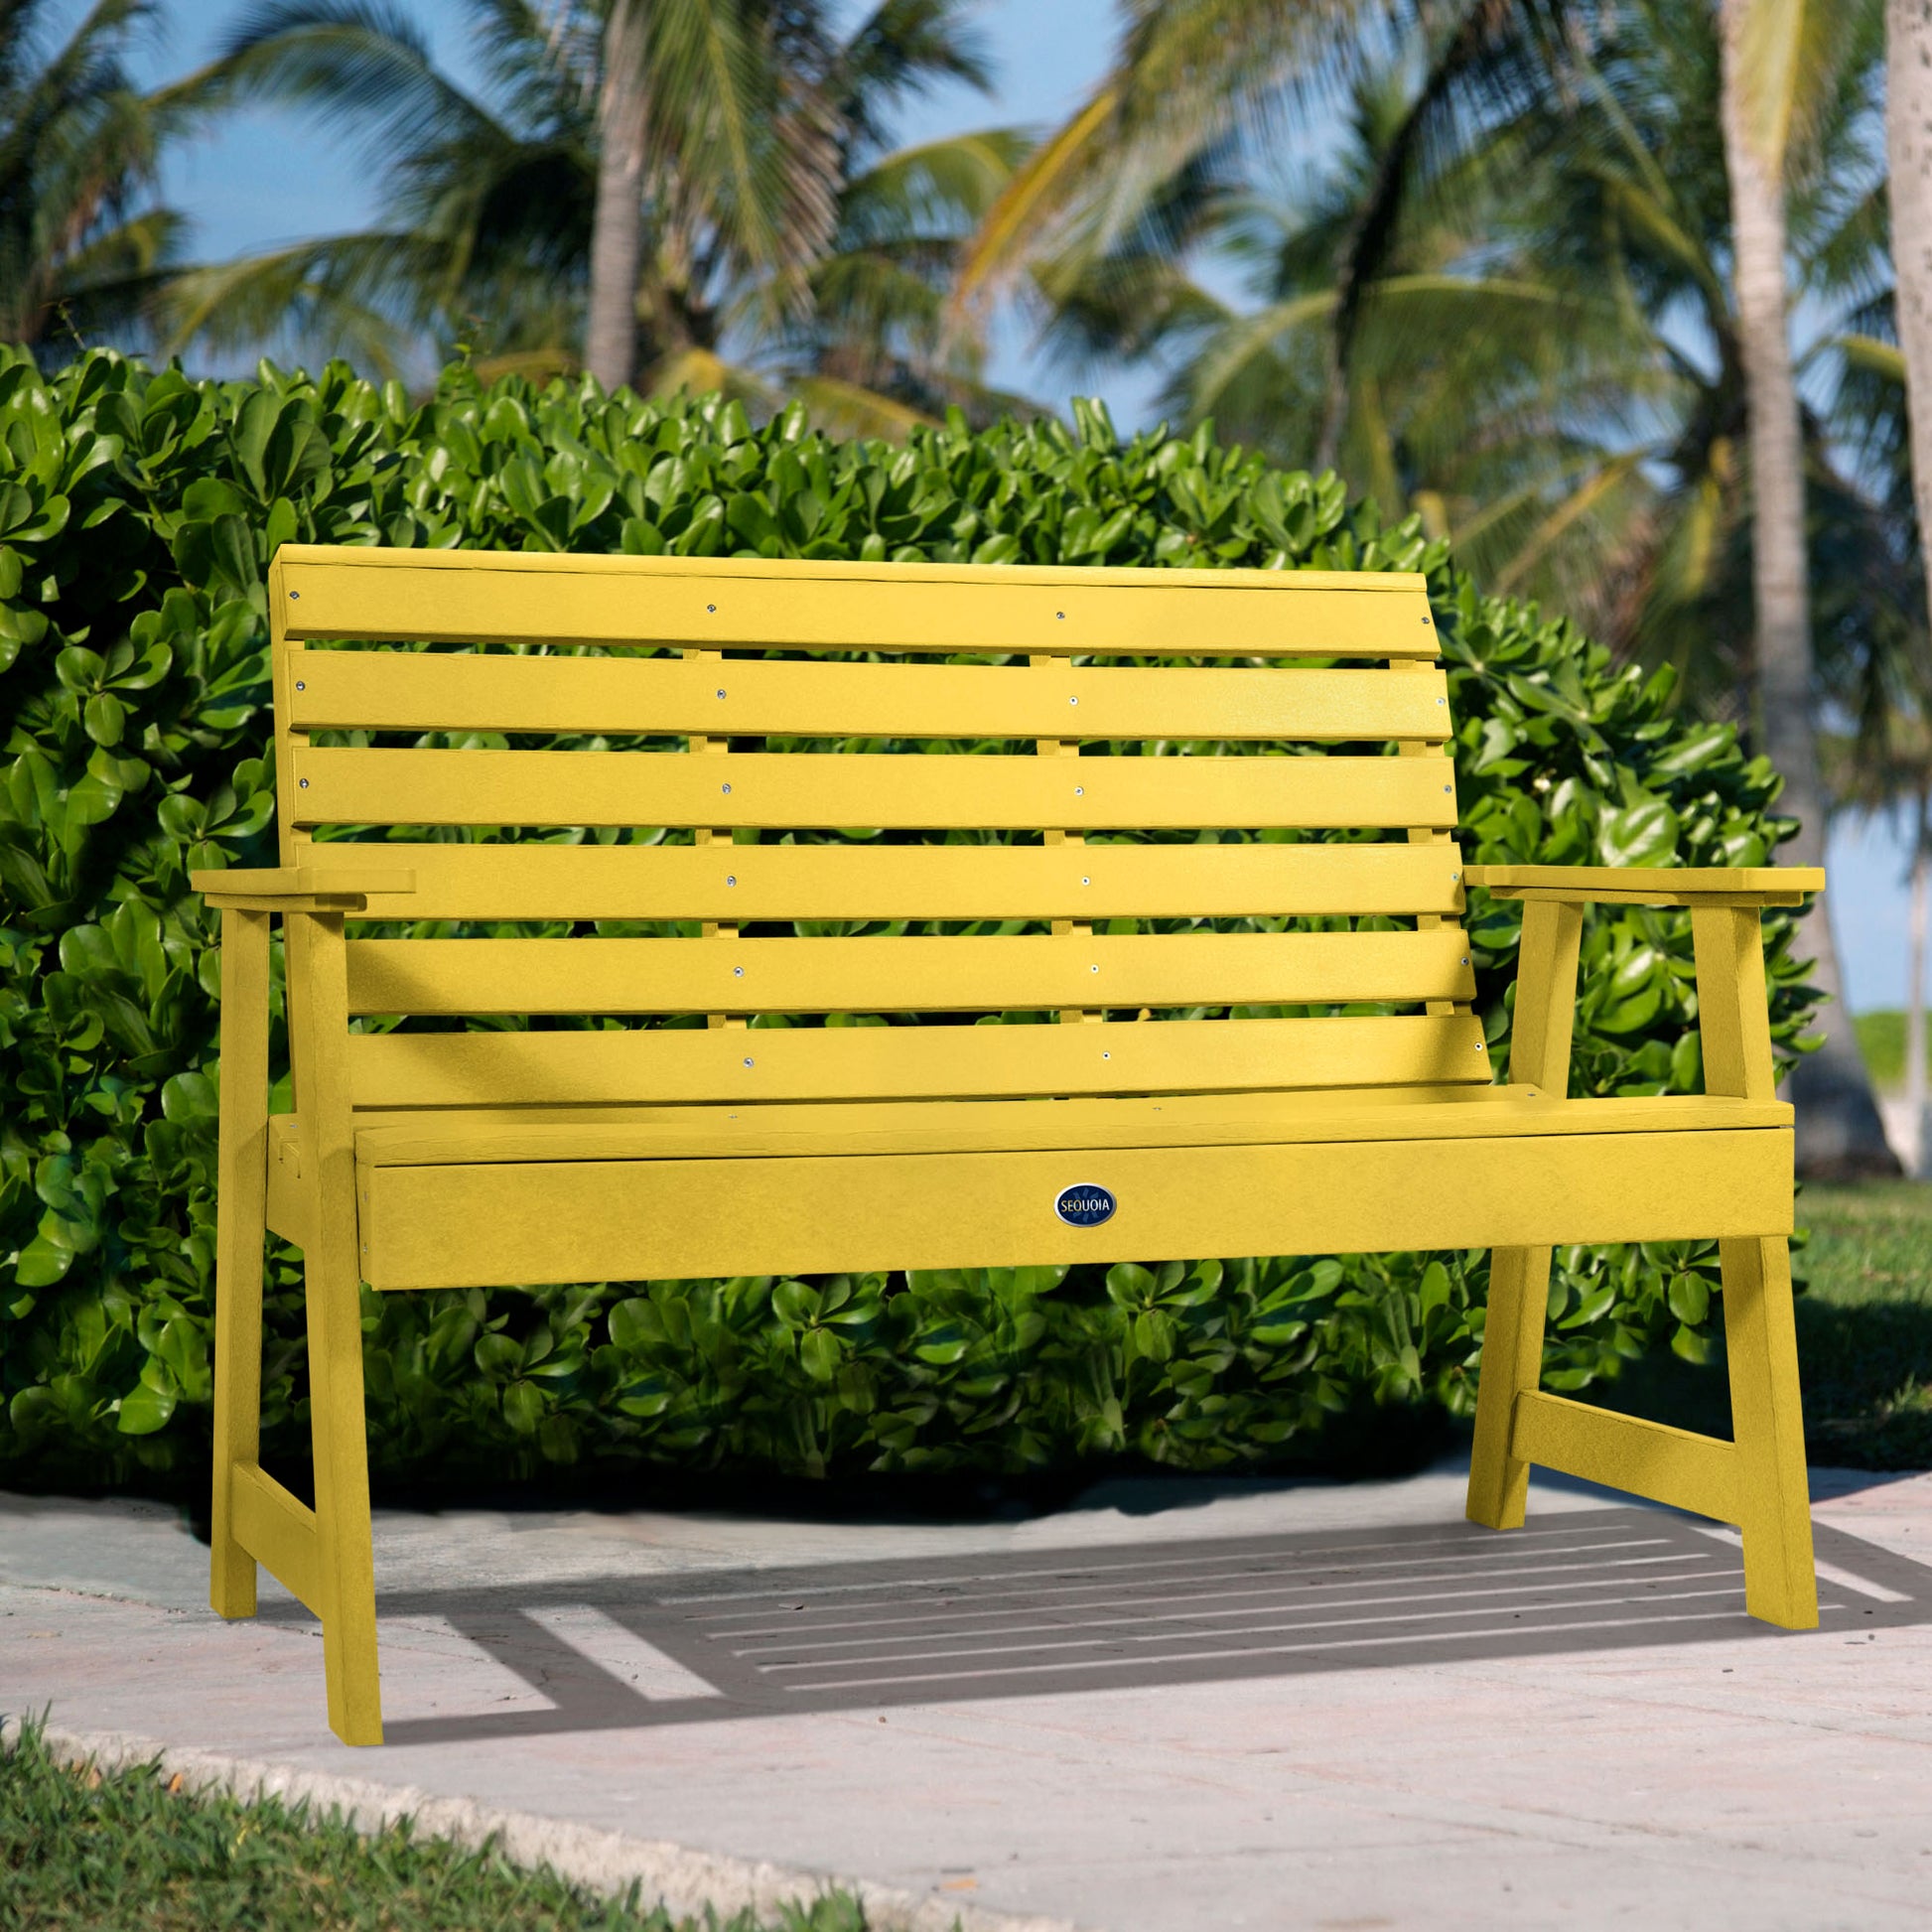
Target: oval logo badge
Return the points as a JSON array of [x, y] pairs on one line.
[[1084, 1205]]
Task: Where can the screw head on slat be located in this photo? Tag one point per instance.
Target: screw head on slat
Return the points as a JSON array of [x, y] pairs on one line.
[[747, 1063], [1079, 791], [732, 880], [1086, 882], [713, 608], [720, 694], [295, 597], [1091, 969], [1060, 614], [303, 783], [738, 972], [1073, 700], [727, 790], [300, 685]]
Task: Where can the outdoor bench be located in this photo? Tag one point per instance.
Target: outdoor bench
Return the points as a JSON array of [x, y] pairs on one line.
[[1146, 1114]]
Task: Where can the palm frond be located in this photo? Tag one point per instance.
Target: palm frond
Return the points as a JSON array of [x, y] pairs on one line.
[[899, 52], [336, 296], [1039, 190], [362, 68]]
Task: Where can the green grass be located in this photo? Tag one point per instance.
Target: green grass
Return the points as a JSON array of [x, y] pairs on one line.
[[1864, 1336], [1864, 1325], [1882, 1039], [130, 1852]]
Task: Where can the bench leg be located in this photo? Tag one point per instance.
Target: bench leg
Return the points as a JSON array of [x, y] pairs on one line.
[[1768, 1425], [1512, 1361], [242, 1183], [341, 1470], [238, 1389]]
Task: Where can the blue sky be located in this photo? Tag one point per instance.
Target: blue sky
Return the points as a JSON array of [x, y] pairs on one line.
[[271, 179]]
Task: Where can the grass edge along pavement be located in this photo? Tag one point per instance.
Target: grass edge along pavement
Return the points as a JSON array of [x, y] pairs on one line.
[[106, 1832]]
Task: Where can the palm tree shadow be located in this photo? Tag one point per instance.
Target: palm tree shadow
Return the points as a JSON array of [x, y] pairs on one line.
[[621, 1652]]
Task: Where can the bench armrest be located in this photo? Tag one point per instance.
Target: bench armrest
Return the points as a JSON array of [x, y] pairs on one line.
[[1739, 885], [1733, 1013], [298, 889]]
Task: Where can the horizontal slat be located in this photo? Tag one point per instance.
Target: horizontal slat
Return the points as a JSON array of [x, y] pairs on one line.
[[451, 1137], [743, 883], [344, 785], [504, 597], [670, 1065], [880, 975], [756, 697], [1644, 1459], [601, 1220], [278, 1530]]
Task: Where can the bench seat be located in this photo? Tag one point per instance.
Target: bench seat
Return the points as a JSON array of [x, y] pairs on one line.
[[450, 1200]]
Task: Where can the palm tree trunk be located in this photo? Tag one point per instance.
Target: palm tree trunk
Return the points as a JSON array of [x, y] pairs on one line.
[[1839, 1134], [1921, 912], [1908, 140], [610, 339]]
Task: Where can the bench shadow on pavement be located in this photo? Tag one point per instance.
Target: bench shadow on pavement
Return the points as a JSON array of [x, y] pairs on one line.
[[619, 1652]]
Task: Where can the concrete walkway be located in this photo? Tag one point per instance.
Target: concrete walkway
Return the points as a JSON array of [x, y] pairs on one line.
[[1177, 1706]]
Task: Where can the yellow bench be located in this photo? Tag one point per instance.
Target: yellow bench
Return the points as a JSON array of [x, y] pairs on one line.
[[1121, 1129]]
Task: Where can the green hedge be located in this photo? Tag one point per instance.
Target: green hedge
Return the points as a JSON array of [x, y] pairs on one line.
[[136, 513]]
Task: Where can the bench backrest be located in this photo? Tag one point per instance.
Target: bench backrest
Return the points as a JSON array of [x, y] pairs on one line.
[[1135, 861]]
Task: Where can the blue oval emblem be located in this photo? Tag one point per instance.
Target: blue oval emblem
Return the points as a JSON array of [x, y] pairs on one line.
[[1086, 1205]]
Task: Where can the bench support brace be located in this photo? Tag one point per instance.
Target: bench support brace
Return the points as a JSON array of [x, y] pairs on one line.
[[278, 1530]]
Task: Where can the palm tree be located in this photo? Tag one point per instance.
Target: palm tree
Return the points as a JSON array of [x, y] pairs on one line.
[[484, 219], [856, 330], [1909, 126], [491, 225], [84, 242], [717, 115], [1882, 766], [1189, 74], [1771, 64], [1480, 383]]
